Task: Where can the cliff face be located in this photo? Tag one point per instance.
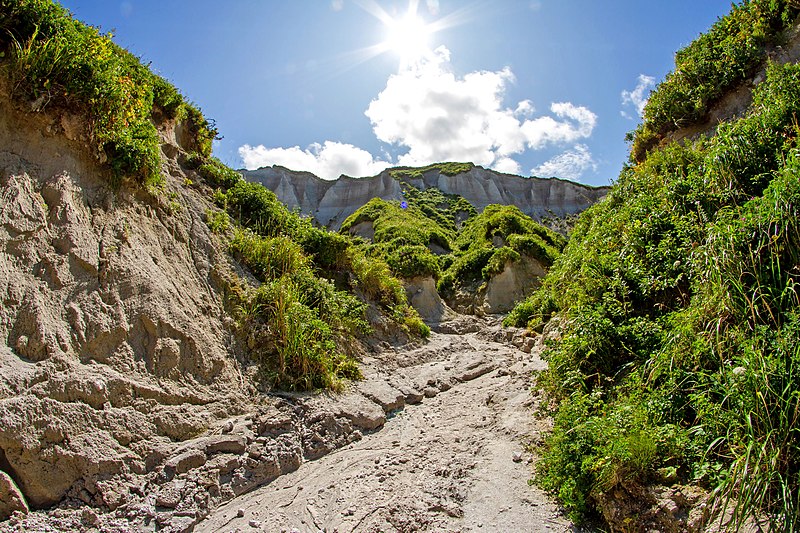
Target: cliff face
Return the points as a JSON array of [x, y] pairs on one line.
[[331, 202]]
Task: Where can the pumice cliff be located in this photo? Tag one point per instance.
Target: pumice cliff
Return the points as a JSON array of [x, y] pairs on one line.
[[331, 202]]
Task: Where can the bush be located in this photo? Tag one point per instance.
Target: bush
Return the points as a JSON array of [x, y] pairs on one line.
[[409, 261], [728, 54], [489, 240]]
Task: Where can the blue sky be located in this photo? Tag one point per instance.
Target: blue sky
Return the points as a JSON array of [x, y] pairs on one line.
[[542, 87]]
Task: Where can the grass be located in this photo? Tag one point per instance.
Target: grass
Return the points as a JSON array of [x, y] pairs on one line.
[[496, 236], [725, 56], [55, 62], [448, 169], [403, 237], [678, 298], [305, 317]]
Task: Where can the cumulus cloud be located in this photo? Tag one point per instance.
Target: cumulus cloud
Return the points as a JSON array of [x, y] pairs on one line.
[[429, 114], [439, 116], [328, 160], [637, 98], [570, 164]]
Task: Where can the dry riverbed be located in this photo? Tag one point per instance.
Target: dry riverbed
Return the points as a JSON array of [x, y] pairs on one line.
[[456, 461]]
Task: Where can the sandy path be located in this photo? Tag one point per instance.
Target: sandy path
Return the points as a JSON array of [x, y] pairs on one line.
[[455, 462]]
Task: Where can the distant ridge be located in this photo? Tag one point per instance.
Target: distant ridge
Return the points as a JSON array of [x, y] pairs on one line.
[[330, 202]]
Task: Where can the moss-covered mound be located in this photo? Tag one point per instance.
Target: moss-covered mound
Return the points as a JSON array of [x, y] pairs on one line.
[[497, 235], [679, 356], [403, 236]]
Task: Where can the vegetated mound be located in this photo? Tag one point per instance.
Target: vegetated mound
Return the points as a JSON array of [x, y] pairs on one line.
[[330, 203], [678, 358], [149, 291], [483, 263]]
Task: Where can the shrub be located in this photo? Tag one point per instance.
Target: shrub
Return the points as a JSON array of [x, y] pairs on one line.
[[409, 261], [728, 54]]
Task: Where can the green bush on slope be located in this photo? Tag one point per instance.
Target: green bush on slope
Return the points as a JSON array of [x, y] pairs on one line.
[[728, 54], [680, 348], [52, 60], [310, 320], [498, 234], [402, 237]]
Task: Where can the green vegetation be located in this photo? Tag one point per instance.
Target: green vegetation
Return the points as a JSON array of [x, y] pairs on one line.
[[408, 239], [448, 169], [679, 355], [447, 210], [311, 301], [54, 61], [403, 237], [305, 315], [727, 55], [497, 235]]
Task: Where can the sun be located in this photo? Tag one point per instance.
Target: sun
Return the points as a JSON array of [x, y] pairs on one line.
[[408, 36]]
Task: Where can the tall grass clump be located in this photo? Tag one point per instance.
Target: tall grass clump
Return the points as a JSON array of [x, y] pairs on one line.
[[53, 61], [678, 306]]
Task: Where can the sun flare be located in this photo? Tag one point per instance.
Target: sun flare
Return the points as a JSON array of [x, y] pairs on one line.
[[408, 36]]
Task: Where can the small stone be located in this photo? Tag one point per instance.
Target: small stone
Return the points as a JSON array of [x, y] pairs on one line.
[[89, 517], [185, 462], [254, 523], [517, 457], [228, 427], [240, 513]]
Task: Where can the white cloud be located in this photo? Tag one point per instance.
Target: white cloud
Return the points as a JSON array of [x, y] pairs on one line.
[[431, 115], [575, 123], [439, 116], [507, 165], [337, 5], [568, 165], [328, 160], [639, 95]]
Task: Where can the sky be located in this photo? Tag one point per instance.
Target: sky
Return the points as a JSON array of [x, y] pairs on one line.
[[530, 87]]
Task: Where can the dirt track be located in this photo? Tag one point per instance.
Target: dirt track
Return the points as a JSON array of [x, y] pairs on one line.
[[455, 462]]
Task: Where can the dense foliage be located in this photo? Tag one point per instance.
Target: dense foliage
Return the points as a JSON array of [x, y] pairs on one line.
[[679, 356], [311, 301], [727, 55], [403, 237], [448, 169], [441, 236], [497, 235], [52, 60]]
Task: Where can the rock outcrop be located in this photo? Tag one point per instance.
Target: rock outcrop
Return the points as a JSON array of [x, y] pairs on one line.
[[331, 202], [116, 344]]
